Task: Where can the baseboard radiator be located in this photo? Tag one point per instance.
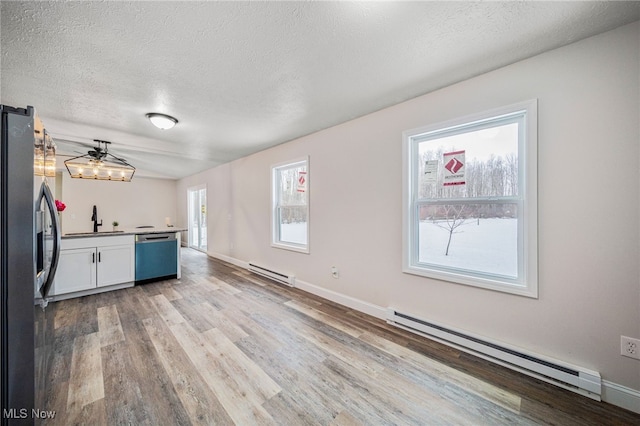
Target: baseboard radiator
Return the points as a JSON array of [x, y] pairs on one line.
[[279, 277], [576, 379]]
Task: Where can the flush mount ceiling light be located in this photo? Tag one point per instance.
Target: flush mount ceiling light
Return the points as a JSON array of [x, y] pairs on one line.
[[98, 164], [162, 121]]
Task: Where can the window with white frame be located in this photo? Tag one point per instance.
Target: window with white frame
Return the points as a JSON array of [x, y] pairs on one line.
[[290, 213], [470, 200]]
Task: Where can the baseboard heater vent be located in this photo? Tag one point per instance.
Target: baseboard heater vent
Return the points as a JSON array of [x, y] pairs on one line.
[[576, 379], [285, 279]]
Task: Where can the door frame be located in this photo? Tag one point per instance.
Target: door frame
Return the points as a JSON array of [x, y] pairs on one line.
[[190, 191]]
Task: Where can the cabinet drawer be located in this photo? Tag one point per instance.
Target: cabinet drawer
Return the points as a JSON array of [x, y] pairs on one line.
[[115, 240]]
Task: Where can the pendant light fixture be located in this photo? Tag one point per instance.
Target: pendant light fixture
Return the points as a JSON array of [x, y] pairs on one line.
[[44, 156], [99, 164], [162, 121]]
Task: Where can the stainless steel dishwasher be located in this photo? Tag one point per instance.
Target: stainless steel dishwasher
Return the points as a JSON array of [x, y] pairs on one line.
[[156, 256]]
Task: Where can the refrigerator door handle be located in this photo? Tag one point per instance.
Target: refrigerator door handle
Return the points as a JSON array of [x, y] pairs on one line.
[[45, 193]]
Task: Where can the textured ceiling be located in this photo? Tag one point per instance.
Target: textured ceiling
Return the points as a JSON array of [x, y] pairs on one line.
[[244, 76]]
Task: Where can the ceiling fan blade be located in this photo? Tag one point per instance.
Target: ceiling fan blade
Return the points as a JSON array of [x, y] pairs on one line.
[[74, 142]]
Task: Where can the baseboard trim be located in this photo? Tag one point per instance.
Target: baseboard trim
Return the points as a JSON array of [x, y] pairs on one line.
[[228, 259], [612, 393], [621, 396], [348, 301], [82, 293]]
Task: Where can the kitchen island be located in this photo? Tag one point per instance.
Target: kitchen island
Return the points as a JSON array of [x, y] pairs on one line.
[[95, 262]]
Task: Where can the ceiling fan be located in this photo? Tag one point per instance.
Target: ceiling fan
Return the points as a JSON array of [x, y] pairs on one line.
[[98, 152]]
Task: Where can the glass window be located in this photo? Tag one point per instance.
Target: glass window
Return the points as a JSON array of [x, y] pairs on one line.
[[198, 218], [470, 200], [290, 186]]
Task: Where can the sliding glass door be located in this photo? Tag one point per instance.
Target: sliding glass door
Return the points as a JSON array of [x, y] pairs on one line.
[[198, 218]]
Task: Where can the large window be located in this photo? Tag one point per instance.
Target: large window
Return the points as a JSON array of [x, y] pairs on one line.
[[470, 205], [290, 186]]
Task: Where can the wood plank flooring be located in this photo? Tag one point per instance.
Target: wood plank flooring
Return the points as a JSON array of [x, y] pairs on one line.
[[222, 347]]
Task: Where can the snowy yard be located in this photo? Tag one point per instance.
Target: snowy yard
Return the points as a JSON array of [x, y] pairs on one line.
[[489, 245], [295, 232]]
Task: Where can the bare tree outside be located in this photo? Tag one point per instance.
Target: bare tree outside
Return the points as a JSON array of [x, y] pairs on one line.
[[454, 219]]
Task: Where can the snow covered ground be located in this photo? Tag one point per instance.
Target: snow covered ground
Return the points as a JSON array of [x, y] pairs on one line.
[[489, 245], [294, 232]]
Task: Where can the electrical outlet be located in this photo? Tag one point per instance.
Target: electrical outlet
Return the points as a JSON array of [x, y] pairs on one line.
[[334, 272], [630, 347]]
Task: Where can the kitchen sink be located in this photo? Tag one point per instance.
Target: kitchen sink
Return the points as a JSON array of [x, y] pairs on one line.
[[93, 233]]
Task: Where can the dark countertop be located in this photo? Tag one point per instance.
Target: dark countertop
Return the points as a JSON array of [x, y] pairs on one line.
[[127, 231]]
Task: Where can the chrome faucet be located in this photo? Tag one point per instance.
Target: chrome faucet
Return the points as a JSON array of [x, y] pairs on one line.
[[94, 218]]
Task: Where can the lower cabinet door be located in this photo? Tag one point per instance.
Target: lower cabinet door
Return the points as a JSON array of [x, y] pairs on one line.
[[76, 271], [115, 265]]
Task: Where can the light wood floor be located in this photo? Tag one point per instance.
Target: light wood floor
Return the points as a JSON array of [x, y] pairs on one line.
[[222, 347]]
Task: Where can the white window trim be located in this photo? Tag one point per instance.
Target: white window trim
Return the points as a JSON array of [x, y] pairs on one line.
[[190, 212], [275, 229], [527, 223]]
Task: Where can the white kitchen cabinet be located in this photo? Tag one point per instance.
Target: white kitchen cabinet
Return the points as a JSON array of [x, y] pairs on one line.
[[76, 271], [94, 264], [115, 265]]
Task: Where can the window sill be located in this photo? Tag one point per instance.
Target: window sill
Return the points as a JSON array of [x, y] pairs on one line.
[[291, 247], [475, 281]]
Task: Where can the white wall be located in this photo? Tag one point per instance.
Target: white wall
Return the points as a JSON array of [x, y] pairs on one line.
[[143, 201], [589, 188]]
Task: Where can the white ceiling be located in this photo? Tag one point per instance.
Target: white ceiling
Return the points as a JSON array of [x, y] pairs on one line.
[[244, 76]]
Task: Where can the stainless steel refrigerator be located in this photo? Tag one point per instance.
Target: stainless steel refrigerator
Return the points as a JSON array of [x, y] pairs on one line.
[[29, 250]]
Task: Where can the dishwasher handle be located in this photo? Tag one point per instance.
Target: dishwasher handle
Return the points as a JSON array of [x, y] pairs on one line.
[[141, 238]]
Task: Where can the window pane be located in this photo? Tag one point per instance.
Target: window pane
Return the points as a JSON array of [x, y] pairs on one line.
[[481, 238], [488, 165], [470, 200], [293, 224], [292, 189], [290, 212]]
